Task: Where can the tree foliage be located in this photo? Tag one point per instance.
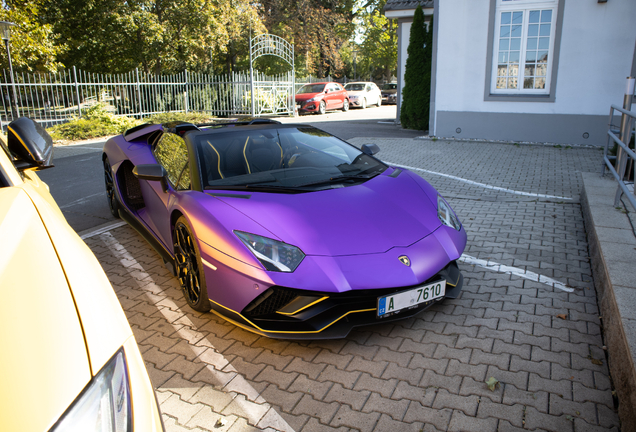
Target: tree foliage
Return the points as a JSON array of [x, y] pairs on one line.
[[161, 36], [317, 28], [169, 36], [416, 94], [378, 50], [33, 43]]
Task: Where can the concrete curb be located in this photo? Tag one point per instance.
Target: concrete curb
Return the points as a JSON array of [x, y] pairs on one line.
[[613, 254]]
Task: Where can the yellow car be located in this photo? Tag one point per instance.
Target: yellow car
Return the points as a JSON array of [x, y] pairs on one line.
[[69, 359]]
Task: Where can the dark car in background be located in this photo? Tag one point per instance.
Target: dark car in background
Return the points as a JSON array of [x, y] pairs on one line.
[[389, 93], [321, 97]]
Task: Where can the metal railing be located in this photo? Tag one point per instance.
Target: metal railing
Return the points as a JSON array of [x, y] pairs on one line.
[[623, 154], [52, 98]]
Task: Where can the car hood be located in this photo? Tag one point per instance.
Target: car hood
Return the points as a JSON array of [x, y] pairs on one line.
[[373, 217], [389, 91], [305, 96], [356, 92], [46, 362]]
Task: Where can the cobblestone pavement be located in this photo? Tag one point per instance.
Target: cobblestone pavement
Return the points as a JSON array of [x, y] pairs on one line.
[[542, 343]]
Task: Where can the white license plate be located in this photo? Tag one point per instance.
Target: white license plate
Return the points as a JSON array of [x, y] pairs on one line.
[[388, 305]]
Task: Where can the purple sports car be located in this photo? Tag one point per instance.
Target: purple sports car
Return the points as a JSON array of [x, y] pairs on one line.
[[285, 230]]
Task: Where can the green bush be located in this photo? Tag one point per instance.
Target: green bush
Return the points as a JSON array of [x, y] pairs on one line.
[[95, 122], [416, 94], [190, 117]]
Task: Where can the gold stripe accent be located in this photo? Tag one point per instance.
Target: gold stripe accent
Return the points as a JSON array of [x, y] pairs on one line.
[[304, 307], [218, 158], [456, 282], [274, 331], [245, 157], [20, 139]]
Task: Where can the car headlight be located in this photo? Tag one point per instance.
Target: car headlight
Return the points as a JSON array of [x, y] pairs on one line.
[[273, 254], [313, 99], [446, 214], [103, 406]]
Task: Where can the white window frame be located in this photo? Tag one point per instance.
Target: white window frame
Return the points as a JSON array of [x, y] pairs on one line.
[[524, 6]]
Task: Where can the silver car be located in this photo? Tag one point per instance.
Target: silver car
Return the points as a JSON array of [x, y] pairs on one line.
[[363, 94]]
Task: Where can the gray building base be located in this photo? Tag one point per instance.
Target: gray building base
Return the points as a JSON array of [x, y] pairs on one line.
[[613, 253], [552, 128]]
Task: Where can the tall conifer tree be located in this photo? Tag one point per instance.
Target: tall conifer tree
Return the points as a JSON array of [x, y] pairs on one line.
[[416, 94]]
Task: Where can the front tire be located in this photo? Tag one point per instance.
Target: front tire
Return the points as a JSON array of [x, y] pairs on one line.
[[379, 102], [111, 195], [363, 105], [345, 105], [322, 108], [189, 266]]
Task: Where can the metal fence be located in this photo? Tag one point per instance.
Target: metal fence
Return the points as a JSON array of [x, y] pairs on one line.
[[625, 158], [55, 98]]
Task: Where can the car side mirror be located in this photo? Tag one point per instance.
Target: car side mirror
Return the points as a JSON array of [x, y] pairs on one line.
[[152, 172], [30, 143], [370, 149], [326, 90]]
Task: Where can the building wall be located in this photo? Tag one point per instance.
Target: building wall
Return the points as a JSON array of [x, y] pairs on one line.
[[595, 55]]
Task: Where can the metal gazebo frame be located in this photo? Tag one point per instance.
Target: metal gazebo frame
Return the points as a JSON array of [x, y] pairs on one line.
[[268, 44]]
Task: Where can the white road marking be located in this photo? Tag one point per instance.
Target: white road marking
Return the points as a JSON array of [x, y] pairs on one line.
[[81, 200], [258, 412], [102, 230], [500, 268], [485, 186]]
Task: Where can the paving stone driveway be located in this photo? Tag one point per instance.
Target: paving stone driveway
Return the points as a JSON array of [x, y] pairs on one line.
[[541, 343]]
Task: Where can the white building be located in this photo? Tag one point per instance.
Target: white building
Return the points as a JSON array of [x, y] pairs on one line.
[[524, 70]]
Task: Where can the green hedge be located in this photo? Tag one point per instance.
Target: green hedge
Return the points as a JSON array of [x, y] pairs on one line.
[[97, 122]]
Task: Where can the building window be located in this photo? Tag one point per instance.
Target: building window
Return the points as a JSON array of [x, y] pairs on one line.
[[523, 47]]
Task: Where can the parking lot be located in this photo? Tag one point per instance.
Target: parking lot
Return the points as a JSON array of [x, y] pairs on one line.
[[527, 317]]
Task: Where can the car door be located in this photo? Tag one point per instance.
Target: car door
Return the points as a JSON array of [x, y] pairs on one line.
[[330, 96], [372, 96], [340, 93], [171, 153], [378, 93]]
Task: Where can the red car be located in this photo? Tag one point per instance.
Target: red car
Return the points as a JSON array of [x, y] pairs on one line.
[[320, 97]]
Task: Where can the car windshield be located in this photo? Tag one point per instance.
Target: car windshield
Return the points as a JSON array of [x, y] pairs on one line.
[[354, 87], [389, 87], [298, 159], [311, 88]]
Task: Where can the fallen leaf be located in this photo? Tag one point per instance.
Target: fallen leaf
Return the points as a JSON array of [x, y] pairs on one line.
[[221, 422], [597, 362], [492, 383], [562, 316], [569, 417]]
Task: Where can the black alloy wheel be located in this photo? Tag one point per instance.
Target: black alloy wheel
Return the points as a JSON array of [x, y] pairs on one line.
[[189, 267], [322, 108], [113, 205]]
